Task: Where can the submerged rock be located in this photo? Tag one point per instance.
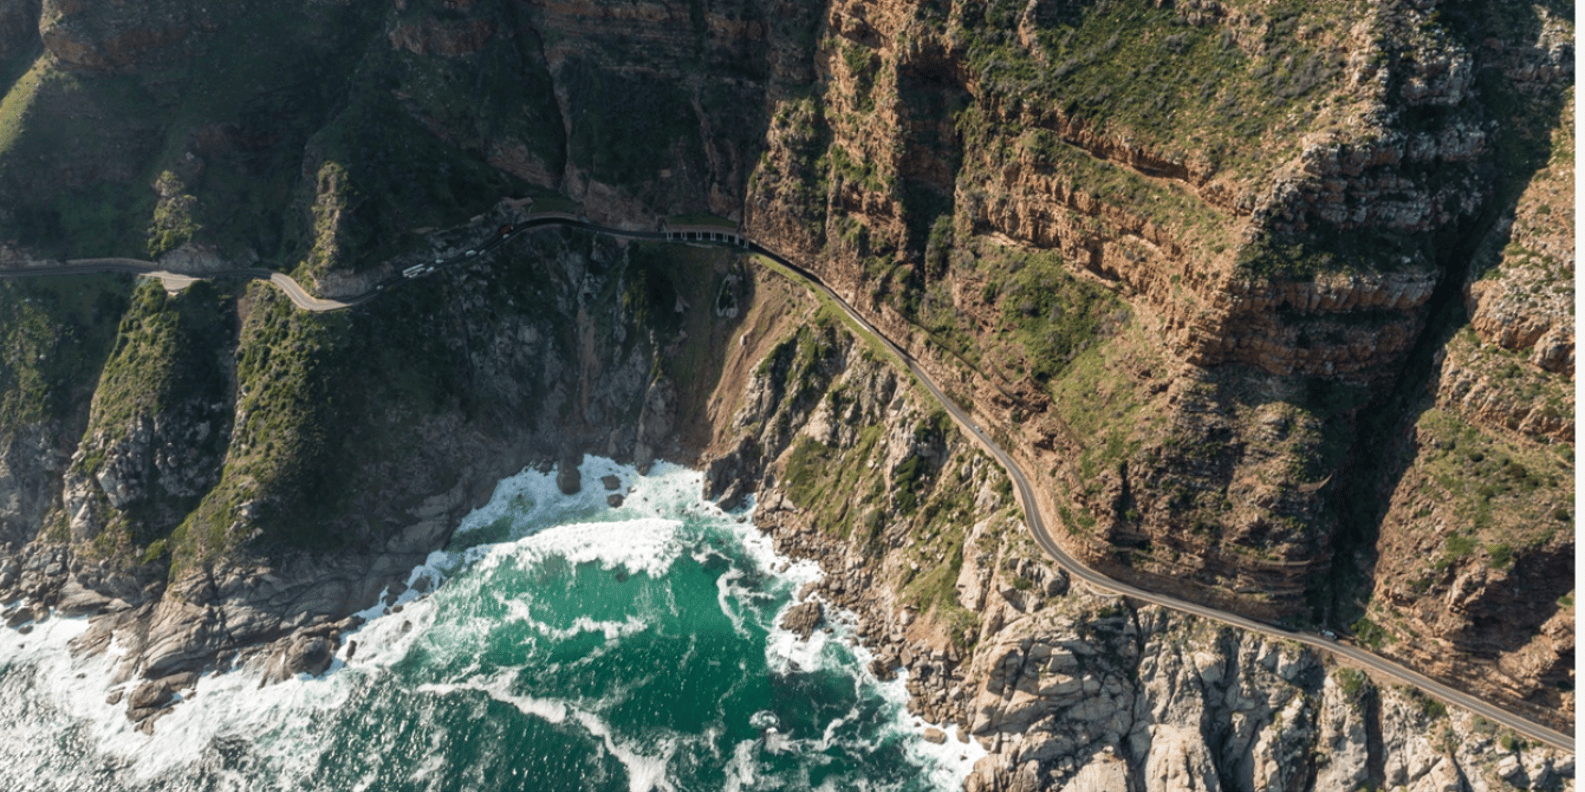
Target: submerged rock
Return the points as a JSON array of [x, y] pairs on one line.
[[568, 479]]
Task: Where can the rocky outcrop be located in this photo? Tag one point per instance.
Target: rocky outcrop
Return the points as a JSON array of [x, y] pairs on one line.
[[803, 619], [1524, 303], [107, 37]]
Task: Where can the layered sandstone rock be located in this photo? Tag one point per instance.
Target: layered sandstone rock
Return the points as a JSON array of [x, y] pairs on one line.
[[1473, 569]]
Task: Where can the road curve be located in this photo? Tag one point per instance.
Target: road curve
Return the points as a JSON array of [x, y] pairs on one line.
[[1037, 526], [176, 281], [1026, 494]]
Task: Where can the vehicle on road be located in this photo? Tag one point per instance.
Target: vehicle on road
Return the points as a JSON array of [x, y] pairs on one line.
[[1329, 635]]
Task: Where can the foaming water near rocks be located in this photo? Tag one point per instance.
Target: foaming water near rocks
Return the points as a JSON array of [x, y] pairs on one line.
[[557, 643]]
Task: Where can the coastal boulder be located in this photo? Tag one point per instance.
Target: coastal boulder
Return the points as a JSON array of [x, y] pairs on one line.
[[803, 619]]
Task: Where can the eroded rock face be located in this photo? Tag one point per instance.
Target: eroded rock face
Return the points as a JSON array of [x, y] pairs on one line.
[[285, 610], [118, 36], [19, 25], [1524, 303], [1475, 557], [29, 460], [803, 619]]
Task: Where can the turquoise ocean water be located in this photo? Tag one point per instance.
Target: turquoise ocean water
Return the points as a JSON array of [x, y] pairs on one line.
[[565, 645]]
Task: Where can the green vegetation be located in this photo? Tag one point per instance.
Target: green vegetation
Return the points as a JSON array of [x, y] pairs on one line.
[[936, 592], [1328, 250], [173, 222], [848, 492], [801, 180], [18, 100], [1056, 316], [381, 175], [1500, 555], [282, 456], [1164, 202], [1429, 707], [168, 350], [863, 66], [329, 402], [630, 125], [1371, 634], [213, 148], [1139, 66], [831, 315], [90, 148], [499, 93], [55, 334], [1505, 495], [1053, 315]]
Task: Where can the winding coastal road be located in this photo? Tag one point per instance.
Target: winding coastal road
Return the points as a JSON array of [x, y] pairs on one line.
[[1381, 667], [176, 281]]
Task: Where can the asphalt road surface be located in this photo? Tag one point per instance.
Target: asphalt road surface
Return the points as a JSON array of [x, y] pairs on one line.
[[1381, 667]]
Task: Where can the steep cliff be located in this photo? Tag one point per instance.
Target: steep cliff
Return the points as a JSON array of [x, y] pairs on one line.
[[1204, 264], [1473, 570], [1288, 215]]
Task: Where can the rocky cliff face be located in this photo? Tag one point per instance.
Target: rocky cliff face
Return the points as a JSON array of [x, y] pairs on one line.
[[1199, 262], [1289, 271], [1471, 574], [1065, 688]]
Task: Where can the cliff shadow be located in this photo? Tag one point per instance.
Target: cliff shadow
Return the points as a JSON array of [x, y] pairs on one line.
[[1414, 443]]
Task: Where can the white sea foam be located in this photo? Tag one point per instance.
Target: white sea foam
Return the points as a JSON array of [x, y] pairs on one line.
[[645, 771], [740, 771], [499, 687], [950, 762], [645, 536], [518, 611], [646, 545], [532, 497], [725, 594], [947, 764]]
